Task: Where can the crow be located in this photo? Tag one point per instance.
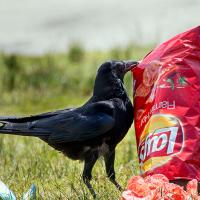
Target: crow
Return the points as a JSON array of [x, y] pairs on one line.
[[87, 132]]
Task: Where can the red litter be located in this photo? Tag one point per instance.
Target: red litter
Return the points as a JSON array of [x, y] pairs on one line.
[[157, 187], [167, 120], [167, 108]]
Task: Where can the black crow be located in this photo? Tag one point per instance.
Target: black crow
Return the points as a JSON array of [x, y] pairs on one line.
[[87, 132]]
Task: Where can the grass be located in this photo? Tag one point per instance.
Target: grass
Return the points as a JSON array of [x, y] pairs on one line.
[[32, 85], [28, 160]]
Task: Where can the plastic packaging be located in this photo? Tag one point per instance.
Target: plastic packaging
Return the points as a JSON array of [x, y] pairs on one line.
[[167, 108], [7, 194], [157, 187]]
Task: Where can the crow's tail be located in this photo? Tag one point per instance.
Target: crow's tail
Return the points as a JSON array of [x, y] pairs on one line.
[[23, 126]]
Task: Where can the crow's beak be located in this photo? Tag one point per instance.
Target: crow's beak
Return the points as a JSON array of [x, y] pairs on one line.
[[130, 65]]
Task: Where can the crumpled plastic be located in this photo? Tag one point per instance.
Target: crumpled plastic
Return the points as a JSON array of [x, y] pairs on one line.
[[157, 187], [7, 194], [167, 108]]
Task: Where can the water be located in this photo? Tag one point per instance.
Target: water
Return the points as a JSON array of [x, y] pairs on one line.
[[38, 26]]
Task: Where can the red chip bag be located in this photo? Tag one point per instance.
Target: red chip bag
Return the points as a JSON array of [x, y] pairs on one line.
[[167, 108]]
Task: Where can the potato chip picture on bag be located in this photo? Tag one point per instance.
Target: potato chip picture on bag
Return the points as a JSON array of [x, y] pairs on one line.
[[151, 73], [142, 91]]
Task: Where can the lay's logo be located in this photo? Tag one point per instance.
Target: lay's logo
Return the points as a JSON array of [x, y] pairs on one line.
[[161, 139]]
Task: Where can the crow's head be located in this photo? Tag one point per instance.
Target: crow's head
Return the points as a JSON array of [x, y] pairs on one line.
[[110, 77], [116, 69]]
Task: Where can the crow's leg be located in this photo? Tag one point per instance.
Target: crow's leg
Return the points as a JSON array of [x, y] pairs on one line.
[[90, 160], [109, 162]]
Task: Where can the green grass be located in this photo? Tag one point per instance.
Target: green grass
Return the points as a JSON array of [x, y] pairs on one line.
[[51, 82], [28, 160]]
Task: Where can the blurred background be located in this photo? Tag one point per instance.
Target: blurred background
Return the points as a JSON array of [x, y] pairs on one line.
[[36, 27], [40, 26], [53, 47], [49, 53]]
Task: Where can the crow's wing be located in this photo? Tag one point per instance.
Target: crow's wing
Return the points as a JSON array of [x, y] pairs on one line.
[[77, 124], [25, 125], [32, 117], [81, 128]]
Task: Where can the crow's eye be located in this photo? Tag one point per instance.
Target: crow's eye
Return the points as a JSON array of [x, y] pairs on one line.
[[120, 66]]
